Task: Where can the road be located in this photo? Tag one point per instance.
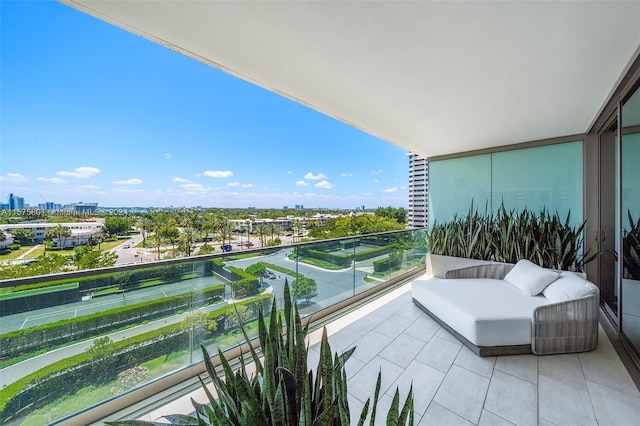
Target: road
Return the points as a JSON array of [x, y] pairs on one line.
[[333, 286], [102, 303]]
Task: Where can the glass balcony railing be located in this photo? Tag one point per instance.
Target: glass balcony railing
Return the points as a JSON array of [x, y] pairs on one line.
[[75, 342]]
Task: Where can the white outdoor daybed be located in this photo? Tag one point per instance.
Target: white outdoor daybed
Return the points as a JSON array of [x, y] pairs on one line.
[[501, 309]]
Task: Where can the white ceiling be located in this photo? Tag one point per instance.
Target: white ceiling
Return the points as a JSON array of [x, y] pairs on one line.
[[432, 77]]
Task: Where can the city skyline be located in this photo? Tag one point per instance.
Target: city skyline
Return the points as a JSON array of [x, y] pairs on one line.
[[92, 113]]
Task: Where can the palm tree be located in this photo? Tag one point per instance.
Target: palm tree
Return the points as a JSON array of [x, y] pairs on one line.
[[188, 239], [224, 229], [145, 224], [261, 231], [61, 233], [273, 229]]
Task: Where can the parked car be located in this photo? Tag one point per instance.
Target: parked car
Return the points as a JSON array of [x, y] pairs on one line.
[[126, 246], [271, 275]]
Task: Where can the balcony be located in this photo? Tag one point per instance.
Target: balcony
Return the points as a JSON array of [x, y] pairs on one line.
[[155, 317], [453, 386]]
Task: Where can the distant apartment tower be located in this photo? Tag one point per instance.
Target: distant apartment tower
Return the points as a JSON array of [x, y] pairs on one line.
[[417, 216], [15, 202]]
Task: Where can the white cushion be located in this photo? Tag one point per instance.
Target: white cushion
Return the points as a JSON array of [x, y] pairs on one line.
[[485, 311], [530, 278], [568, 287]]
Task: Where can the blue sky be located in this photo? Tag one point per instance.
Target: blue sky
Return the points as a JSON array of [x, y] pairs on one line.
[[92, 113]]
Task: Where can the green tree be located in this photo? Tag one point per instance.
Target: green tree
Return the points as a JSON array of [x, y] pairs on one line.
[[102, 353], [117, 225], [3, 237], [261, 231], [22, 235], [188, 239], [87, 257], [145, 224], [398, 214], [304, 288], [60, 233], [169, 233], [258, 270], [199, 324], [206, 249]]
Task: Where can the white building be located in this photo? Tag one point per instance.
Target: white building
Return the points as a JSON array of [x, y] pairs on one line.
[[81, 232], [417, 216]]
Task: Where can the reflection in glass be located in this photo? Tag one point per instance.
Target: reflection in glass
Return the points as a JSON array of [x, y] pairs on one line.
[[630, 185]]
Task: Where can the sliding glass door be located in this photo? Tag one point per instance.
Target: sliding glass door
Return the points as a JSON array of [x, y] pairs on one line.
[[630, 219]]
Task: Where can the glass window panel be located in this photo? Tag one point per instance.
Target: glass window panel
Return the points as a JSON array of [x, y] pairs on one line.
[[630, 191], [454, 183], [546, 176]]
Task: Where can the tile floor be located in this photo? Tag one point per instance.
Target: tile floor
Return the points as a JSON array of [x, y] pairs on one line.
[[453, 386]]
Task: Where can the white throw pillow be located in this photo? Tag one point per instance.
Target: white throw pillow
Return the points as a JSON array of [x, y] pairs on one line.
[[568, 287], [530, 278]]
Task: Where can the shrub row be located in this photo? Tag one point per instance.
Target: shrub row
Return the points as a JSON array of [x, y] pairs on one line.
[[246, 285], [344, 260], [63, 331], [73, 373], [383, 265]]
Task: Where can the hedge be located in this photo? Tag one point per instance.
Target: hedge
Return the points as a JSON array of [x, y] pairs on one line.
[[73, 373], [63, 331], [246, 284], [387, 263]]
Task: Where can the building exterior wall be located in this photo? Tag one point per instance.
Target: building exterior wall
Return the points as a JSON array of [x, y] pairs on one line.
[[80, 231], [418, 213]]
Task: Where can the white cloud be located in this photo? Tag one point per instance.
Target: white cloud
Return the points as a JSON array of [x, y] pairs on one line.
[[179, 179], [14, 177], [89, 187], [81, 172], [241, 185], [194, 187], [218, 173], [376, 180], [289, 172], [311, 176], [324, 185], [52, 180], [346, 174], [301, 183], [128, 182], [392, 189], [375, 172], [167, 155]]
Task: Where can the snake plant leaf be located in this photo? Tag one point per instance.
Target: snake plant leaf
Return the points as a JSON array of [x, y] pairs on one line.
[[376, 397], [181, 420], [325, 369], [254, 354], [407, 408], [278, 409], [364, 412], [394, 410]]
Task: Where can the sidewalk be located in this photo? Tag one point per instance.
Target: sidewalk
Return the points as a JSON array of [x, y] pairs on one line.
[[26, 253]]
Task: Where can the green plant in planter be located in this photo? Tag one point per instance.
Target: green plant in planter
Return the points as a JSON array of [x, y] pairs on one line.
[[509, 236], [469, 236], [631, 249], [282, 391]]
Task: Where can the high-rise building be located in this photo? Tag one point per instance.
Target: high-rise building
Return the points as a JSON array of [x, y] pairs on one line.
[[417, 216], [12, 202]]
